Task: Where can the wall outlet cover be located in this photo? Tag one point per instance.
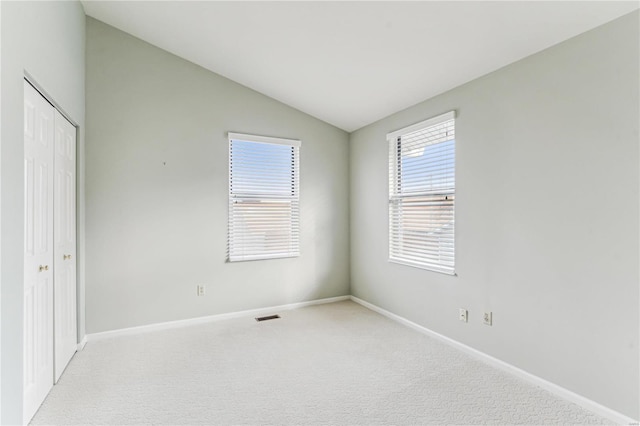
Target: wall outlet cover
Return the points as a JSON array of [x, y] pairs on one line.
[[463, 315]]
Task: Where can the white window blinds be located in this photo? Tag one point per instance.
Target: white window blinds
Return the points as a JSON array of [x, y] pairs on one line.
[[422, 194], [263, 197]]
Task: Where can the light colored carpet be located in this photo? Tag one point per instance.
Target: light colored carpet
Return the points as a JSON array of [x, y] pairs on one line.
[[337, 364]]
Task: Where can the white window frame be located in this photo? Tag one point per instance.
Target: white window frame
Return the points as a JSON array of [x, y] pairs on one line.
[[235, 197], [396, 197]]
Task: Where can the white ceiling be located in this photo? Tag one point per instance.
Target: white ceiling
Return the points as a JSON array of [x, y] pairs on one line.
[[352, 63]]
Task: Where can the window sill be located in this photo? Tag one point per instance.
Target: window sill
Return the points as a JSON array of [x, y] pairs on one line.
[[423, 267]]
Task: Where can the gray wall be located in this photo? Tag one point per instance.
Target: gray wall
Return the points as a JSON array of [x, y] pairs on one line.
[[45, 39], [546, 216], [157, 190]]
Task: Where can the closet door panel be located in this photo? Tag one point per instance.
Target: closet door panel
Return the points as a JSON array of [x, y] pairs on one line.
[[38, 250], [65, 340]]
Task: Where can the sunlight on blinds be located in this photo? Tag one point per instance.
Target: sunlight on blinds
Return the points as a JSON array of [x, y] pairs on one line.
[[422, 195], [263, 198]]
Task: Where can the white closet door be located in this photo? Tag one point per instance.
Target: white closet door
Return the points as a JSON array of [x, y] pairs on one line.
[[38, 250], [64, 200]]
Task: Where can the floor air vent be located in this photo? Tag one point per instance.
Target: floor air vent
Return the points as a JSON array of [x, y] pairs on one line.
[[270, 317]]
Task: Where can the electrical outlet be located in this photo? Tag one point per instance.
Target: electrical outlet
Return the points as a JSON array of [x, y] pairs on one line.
[[463, 315], [200, 290], [488, 318]]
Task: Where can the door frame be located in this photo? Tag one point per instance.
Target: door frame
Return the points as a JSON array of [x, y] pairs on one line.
[[32, 81], [80, 339]]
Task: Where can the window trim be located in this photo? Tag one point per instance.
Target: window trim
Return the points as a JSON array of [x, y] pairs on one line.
[[264, 139], [451, 115], [392, 140], [293, 143]]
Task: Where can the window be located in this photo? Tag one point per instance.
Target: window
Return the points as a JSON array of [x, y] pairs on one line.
[[263, 197], [422, 194]]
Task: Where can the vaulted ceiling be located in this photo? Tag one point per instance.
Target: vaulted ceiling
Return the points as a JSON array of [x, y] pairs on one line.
[[352, 63]]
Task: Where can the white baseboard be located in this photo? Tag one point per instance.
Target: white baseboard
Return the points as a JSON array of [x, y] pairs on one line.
[[580, 400], [202, 320], [82, 343]]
